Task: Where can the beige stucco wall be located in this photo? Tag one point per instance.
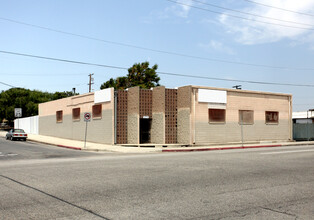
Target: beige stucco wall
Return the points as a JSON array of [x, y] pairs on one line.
[[230, 131], [158, 109], [100, 130], [184, 115]]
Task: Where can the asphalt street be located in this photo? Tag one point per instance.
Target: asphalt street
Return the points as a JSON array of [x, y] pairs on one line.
[[264, 183], [17, 150]]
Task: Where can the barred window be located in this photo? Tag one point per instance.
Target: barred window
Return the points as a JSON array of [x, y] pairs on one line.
[[216, 115], [59, 116], [271, 117], [97, 111], [246, 117], [76, 113]]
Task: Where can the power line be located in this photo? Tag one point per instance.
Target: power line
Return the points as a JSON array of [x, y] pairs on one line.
[[8, 85], [235, 80], [44, 74], [247, 13], [61, 60], [283, 9], [158, 51], [164, 73], [239, 17]]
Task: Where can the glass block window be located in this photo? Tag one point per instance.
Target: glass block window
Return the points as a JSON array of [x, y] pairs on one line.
[[246, 117], [76, 113], [216, 115], [59, 116], [271, 117], [97, 111]]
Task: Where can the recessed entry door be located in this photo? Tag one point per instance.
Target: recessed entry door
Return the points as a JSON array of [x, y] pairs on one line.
[[145, 130]]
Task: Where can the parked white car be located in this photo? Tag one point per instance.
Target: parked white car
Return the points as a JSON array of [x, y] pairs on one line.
[[15, 134]]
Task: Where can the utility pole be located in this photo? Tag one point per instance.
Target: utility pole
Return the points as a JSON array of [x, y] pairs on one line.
[[237, 87], [91, 81]]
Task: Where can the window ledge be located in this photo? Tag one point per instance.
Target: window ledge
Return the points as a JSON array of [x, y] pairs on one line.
[[97, 118]]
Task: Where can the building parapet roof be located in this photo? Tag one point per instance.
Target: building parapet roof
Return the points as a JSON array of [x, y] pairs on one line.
[[241, 91], [300, 115]]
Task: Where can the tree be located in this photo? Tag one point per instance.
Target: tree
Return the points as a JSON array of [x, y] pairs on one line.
[[61, 95], [140, 74], [27, 100], [118, 83]]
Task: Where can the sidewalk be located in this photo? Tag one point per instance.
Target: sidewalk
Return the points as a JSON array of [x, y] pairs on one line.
[[236, 146], [79, 145]]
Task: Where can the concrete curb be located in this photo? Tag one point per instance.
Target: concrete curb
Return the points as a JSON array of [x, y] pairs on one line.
[[69, 147], [56, 145], [179, 149], [220, 148], [298, 143]]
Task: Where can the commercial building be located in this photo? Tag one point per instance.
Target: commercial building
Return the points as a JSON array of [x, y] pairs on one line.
[[305, 117], [64, 117], [303, 125], [188, 115]]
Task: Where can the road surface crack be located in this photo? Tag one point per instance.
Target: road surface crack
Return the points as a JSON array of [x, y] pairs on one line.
[[55, 197], [277, 211]]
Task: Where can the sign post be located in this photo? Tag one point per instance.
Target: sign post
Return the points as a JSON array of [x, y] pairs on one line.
[[18, 114], [241, 118], [87, 117]]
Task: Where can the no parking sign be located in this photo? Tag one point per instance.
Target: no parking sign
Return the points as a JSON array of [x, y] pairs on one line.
[[87, 116]]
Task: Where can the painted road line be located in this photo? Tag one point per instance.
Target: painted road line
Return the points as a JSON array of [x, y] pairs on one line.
[[287, 152], [7, 155]]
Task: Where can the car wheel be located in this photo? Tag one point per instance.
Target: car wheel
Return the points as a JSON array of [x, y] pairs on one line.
[[6, 137], [24, 139], [11, 138]]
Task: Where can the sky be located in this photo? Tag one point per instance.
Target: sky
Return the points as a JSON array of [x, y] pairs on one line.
[[261, 43]]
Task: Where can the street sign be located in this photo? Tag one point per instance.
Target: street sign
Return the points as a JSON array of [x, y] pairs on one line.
[[87, 116], [18, 112]]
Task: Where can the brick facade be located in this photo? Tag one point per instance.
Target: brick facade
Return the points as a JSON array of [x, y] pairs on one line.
[[133, 115]]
